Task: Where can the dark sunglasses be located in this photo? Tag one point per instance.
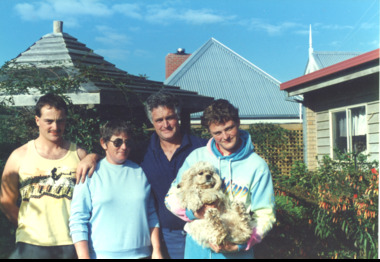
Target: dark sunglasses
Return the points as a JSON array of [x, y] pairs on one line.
[[119, 142]]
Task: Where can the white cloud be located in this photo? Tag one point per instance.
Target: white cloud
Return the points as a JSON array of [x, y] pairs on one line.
[[336, 43], [157, 14], [52, 9], [204, 17], [113, 53], [32, 12], [129, 10], [368, 26], [337, 27], [110, 36], [165, 13], [272, 29], [81, 7]]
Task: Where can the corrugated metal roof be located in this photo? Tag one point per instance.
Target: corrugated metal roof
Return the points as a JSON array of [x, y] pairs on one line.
[[320, 60], [217, 71], [335, 69], [325, 59]]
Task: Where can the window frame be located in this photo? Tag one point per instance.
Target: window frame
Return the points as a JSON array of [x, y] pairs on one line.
[[347, 110]]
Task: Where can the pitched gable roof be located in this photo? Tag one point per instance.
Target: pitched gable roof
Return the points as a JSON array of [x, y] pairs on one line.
[[356, 67], [217, 71]]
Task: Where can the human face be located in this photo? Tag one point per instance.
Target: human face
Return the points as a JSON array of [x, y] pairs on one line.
[[51, 124], [165, 122], [227, 136], [116, 155]]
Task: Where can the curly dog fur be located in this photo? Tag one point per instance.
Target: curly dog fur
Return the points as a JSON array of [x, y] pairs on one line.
[[229, 222]]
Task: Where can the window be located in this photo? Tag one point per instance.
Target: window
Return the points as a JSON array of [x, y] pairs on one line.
[[349, 130]]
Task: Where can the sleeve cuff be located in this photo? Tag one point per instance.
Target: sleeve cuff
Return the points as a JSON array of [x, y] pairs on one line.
[[190, 215], [79, 236], [242, 247]]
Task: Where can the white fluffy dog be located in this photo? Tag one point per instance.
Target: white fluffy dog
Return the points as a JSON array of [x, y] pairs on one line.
[[228, 223]]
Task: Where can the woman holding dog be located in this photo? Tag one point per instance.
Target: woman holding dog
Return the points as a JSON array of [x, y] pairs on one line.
[[112, 213], [246, 178]]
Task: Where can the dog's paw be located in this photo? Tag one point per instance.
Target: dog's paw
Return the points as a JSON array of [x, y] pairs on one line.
[[218, 233], [240, 209], [212, 214]]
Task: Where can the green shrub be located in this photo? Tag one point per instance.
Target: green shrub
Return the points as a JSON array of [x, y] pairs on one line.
[[342, 197]]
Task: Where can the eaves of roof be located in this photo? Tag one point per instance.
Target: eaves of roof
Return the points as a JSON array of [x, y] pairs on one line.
[[331, 70], [326, 59], [61, 50]]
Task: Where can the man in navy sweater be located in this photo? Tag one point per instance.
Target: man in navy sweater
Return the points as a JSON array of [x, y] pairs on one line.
[[167, 150]]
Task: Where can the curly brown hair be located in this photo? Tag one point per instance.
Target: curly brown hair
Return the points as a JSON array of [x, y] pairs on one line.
[[220, 112]]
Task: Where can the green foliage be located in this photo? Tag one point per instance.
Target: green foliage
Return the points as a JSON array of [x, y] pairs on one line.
[[341, 197], [201, 132], [268, 138], [278, 146], [82, 128], [26, 78], [83, 122]]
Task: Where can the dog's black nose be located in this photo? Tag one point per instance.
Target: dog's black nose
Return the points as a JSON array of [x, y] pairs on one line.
[[208, 177]]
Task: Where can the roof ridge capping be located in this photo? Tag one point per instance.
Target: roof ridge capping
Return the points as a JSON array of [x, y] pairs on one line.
[[246, 61], [193, 58], [344, 65]]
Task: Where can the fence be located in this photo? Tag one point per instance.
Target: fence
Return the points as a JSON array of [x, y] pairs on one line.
[[280, 146]]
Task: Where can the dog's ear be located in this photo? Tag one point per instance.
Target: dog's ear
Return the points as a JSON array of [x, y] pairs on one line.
[[218, 183], [187, 178]]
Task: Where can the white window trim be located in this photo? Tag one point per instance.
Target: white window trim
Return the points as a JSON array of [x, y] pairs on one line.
[[346, 109]]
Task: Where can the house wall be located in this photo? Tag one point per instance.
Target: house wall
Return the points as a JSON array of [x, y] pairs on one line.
[[373, 129], [311, 139], [320, 103]]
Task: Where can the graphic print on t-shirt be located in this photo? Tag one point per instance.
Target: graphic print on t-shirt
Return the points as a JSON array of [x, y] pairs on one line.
[[57, 183]]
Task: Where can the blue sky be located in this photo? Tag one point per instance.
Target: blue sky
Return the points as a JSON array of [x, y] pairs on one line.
[[136, 35]]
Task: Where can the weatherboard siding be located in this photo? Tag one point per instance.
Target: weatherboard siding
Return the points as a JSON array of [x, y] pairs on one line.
[[320, 105]]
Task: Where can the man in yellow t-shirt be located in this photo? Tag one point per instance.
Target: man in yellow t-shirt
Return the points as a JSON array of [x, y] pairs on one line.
[[43, 174]]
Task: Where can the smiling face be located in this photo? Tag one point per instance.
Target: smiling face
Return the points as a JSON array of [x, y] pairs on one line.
[[116, 155], [51, 123], [227, 136], [166, 123]]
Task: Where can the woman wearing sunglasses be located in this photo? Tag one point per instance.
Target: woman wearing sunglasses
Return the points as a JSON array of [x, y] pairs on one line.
[[112, 213]]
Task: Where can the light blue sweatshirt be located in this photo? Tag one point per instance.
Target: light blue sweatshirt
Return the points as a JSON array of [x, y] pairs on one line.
[[246, 178], [114, 211]]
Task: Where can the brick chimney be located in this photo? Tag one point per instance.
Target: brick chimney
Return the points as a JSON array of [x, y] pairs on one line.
[[173, 61]]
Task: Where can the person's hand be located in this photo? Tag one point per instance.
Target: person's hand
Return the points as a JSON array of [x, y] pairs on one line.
[[156, 254], [86, 167], [226, 248], [200, 214]]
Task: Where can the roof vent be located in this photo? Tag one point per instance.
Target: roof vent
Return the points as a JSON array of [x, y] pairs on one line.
[[181, 51], [57, 26]]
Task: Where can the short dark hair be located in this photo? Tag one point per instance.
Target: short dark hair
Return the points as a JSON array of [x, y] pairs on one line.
[[162, 98], [114, 127], [51, 100], [219, 112]]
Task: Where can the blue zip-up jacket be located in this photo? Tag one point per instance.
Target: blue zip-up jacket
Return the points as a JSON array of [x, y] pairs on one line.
[[246, 178], [161, 172], [114, 211]]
